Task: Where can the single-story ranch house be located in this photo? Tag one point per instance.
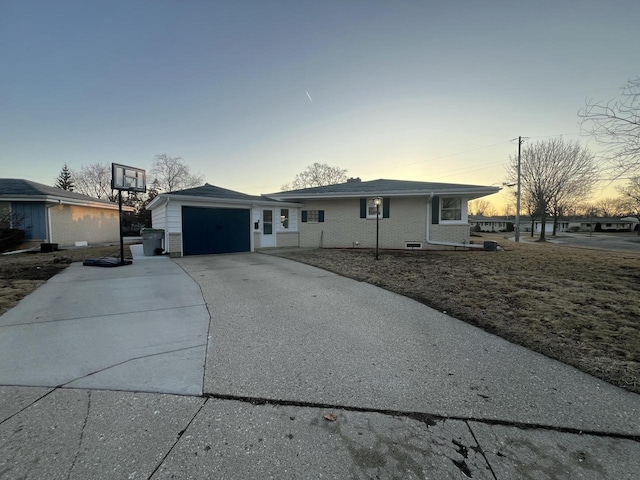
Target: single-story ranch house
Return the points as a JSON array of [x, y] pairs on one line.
[[49, 214], [411, 215]]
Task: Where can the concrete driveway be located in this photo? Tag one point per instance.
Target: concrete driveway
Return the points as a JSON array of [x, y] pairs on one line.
[[259, 367], [140, 327], [281, 330]]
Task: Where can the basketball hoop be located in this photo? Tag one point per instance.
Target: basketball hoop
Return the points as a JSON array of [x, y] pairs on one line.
[[127, 179]]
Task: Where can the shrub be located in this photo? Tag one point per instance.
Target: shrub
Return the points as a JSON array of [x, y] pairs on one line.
[[10, 238]]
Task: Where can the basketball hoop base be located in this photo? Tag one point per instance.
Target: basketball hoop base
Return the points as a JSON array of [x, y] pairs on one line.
[[106, 262]]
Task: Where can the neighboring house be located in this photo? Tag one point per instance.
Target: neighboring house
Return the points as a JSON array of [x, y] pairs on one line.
[[602, 224], [49, 214], [570, 224], [490, 224], [412, 215]]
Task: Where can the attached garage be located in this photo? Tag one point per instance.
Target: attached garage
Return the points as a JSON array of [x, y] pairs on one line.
[[210, 220], [215, 230]]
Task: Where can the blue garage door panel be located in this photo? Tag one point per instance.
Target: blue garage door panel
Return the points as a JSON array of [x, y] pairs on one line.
[[215, 230]]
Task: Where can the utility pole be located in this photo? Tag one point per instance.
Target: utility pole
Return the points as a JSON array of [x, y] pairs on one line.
[[518, 194]]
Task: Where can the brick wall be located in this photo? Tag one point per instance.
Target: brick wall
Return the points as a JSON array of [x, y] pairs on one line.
[[72, 223], [343, 226], [288, 239], [450, 233], [175, 244]]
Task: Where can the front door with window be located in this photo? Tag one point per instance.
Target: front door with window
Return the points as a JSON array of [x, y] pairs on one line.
[[268, 231]]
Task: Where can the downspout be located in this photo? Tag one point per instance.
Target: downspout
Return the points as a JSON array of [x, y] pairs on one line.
[[167, 243], [447, 244], [49, 230]]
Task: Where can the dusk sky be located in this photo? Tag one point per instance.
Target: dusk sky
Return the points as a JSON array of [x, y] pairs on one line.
[[249, 93]]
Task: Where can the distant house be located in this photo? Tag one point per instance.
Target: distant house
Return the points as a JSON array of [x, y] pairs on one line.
[[411, 215], [49, 214], [490, 224], [573, 224]]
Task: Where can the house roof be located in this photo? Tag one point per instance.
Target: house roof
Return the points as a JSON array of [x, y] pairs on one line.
[[211, 191], [211, 194], [384, 187], [20, 190]]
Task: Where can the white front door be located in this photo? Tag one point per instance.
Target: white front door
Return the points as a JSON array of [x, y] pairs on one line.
[[268, 229]]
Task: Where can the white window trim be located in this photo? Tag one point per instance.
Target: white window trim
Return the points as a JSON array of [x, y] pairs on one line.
[[464, 219], [281, 220]]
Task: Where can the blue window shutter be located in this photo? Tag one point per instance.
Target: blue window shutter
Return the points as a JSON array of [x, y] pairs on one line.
[[304, 216], [435, 210], [363, 208], [386, 202], [320, 216]]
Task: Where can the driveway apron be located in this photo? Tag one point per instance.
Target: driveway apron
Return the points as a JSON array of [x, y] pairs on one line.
[[139, 327], [284, 331]]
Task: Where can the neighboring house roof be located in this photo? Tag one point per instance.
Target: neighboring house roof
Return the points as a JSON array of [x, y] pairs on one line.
[[20, 190], [210, 193], [479, 218], [387, 188]]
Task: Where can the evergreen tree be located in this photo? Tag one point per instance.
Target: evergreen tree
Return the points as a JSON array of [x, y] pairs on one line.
[[65, 180]]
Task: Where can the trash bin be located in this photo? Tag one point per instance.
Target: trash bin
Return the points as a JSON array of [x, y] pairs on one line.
[[152, 240]]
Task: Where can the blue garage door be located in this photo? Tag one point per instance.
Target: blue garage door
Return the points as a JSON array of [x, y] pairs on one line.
[[215, 230]]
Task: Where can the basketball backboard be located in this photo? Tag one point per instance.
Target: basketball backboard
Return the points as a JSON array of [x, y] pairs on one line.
[[130, 179]]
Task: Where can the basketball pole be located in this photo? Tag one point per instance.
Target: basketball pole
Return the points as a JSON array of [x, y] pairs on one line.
[[121, 231]]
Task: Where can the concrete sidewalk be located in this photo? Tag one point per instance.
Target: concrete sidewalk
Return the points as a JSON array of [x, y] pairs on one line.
[[308, 375]]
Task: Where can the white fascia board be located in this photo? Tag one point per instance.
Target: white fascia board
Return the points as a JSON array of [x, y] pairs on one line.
[[56, 200], [394, 193], [268, 202], [156, 202]]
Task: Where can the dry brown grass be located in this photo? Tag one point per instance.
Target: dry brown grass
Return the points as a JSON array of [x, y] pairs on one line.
[[22, 273], [576, 305]]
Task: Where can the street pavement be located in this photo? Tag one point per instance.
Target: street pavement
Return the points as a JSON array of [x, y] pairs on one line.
[[615, 241], [253, 366]]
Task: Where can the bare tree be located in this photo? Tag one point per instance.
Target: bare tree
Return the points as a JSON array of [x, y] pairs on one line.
[[554, 174], [616, 125], [94, 180], [317, 175], [610, 207], [631, 198], [479, 207], [172, 174]]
